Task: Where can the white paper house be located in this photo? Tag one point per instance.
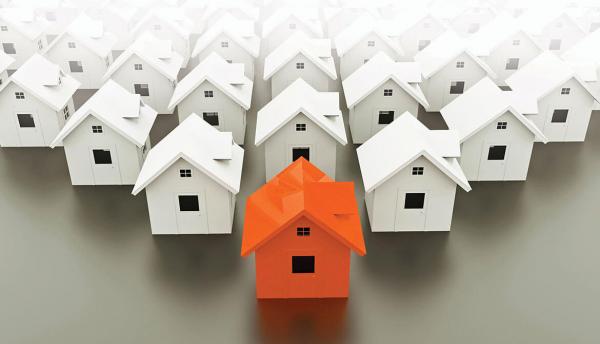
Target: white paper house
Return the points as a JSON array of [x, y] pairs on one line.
[[36, 101], [449, 68], [21, 34], [380, 91], [233, 39], [361, 40], [217, 91], [119, 21], [107, 138], [191, 178], [584, 58], [58, 14], [285, 21], [496, 138], [300, 57], [410, 175], [471, 18], [149, 67], [417, 29], [558, 101], [300, 122], [337, 19]]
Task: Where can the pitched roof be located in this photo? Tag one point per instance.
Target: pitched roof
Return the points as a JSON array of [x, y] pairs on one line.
[[329, 13], [323, 108], [209, 150], [535, 19], [360, 28], [317, 50], [302, 190], [156, 52], [407, 18], [229, 78], [584, 56], [213, 7], [492, 34], [24, 21], [401, 142], [240, 31], [174, 17], [5, 61], [91, 34], [122, 111], [308, 16], [479, 106], [379, 69]]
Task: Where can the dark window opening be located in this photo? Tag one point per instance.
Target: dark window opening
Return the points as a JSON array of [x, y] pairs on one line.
[[303, 264], [418, 171], [185, 173], [496, 152], [414, 200], [26, 120], [457, 87], [102, 157], [303, 231], [188, 203], [385, 117], [141, 89], [300, 152], [560, 116], [211, 118]]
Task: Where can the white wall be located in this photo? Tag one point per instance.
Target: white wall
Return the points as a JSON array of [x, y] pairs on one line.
[[409, 40], [568, 33], [283, 32], [233, 52], [355, 57], [525, 52], [24, 47], [312, 74], [180, 43]]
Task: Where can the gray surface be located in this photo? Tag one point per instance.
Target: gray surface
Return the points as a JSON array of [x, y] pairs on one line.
[[521, 265]]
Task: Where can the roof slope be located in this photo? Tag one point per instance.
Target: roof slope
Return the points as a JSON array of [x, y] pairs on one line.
[[240, 31], [5, 61], [174, 17], [492, 34], [359, 29], [209, 150], [401, 142], [584, 56], [302, 190], [309, 16], [535, 19], [25, 21], [91, 34], [122, 111], [323, 108]]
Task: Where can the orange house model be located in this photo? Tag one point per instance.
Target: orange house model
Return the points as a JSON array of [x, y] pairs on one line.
[[301, 226]]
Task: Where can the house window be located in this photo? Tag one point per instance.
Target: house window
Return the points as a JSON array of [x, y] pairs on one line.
[[137, 66], [300, 126], [96, 129], [1, 81], [208, 94], [387, 92], [71, 45], [211, 118], [457, 87], [303, 231], [50, 16], [4, 28], [460, 64], [512, 63], [303, 264], [66, 112], [474, 27], [505, 88], [365, 61], [385, 117], [229, 61], [370, 43], [141, 89], [501, 125], [102, 157], [299, 65], [426, 25], [496, 152], [516, 42], [423, 44], [554, 44], [300, 152], [25, 120], [185, 173], [224, 44], [19, 95], [188, 203], [292, 26], [75, 66], [565, 90], [40, 45], [157, 27], [414, 200], [9, 48], [560, 116], [418, 171]]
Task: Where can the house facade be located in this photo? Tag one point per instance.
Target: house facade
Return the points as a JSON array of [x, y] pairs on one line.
[[554, 29], [285, 22], [22, 34], [417, 29]]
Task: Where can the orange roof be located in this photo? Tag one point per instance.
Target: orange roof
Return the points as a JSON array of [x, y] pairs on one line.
[[302, 190]]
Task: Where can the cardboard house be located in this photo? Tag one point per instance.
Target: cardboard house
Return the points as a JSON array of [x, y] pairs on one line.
[[149, 67], [300, 57], [496, 138], [107, 138], [22, 34], [286, 21], [118, 20], [191, 178], [410, 174], [301, 122], [36, 101], [417, 28], [380, 91], [57, 14], [219, 92], [302, 227], [584, 58]]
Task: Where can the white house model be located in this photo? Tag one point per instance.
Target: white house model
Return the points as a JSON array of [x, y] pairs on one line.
[[300, 122], [219, 92], [584, 58], [496, 138], [285, 21], [554, 29], [107, 138], [300, 57], [380, 91], [149, 67], [449, 69], [191, 178], [410, 175], [559, 102], [21, 34], [36, 101], [416, 30], [471, 18], [118, 20]]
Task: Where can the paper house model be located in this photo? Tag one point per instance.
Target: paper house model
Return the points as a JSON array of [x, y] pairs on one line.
[[361, 40], [5, 62], [302, 226], [191, 178], [416, 30], [584, 58], [380, 91], [107, 138], [57, 14], [449, 68], [557, 100], [22, 34], [36, 100], [410, 175], [149, 67], [231, 38], [219, 92], [471, 18], [285, 21], [118, 20], [300, 57], [496, 139], [301, 122], [338, 18]]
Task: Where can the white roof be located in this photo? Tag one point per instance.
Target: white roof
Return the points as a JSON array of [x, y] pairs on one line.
[[491, 35], [584, 56], [362, 27], [156, 52], [209, 150], [411, 16], [215, 7], [240, 31], [323, 108], [172, 16], [309, 16], [122, 111], [46, 81], [399, 143], [5, 61], [479, 106], [229, 78], [24, 21], [91, 34], [444, 49], [379, 69], [535, 19], [350, 7], [317, 50]]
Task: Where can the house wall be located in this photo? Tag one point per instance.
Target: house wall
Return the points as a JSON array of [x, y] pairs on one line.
[[179, 43], [525, 52], [274, 277], [232, 117], [217, 203], [283, 32], [118, 26], [364, 116], [568, 33], [312, 74], [24, 47], [278, 147], [355, 57], [409, 39], [233, 52]]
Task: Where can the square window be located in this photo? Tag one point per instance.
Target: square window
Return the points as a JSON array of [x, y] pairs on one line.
[[457, 87], [299, 65], [9, 48], [387, 92], [224, 44], [4, 28], [102, 157], [385, 117], [157, 27], [211, 118], [137, 66], [40, 45], [365, 61], [66, 112], [50, 16], [185, 173], [460, 64], [473, 28], [19, 95], [512, 63], [300, 126], [26, 120], [418, 171], [303, 231], [501, 125], [0, 81], [208, 94], [496, 152], [560, 116], [303, 264], [423, 44], [300, 152], [188, 203], [96, 129], [292, 26], [370, 43], [555, 44], [141, 89], [516, 42], [75, 66], [414, 200], [565, 90], [71, 45], [229, 61]]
